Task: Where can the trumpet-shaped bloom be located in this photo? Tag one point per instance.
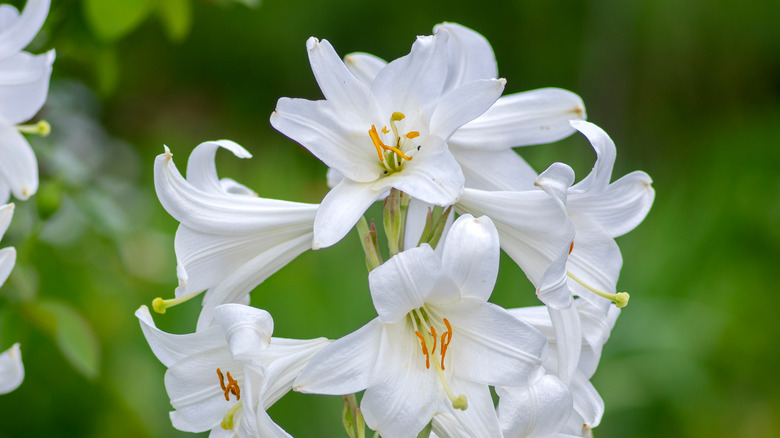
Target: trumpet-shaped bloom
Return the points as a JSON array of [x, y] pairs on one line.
[[517, 410], [482, 146], [230, 240], [390, 133], [24, 84], [226, 376], [437, 343]]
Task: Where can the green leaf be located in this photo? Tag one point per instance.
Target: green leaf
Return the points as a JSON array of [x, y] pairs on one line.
[[426, 432], [176, 16], [72, 333], [112, 19]]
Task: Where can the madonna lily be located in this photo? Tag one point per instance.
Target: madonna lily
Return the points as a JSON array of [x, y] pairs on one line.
[[230, 240], [483, 146], [587, 407], [437, 343], [225, 377], [390, 133], [24, 84]]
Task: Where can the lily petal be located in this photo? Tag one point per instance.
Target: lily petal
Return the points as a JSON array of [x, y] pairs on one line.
[[7, 262], [340, 210], [499, 170], [345, 366], [536, 411], [471, 256], [464, 104], [522, 119], [433, 177], [364, 66], [247, 330], [18, 168], [23, 29], [598, 179], [338, 84], [479, 419], [170, 348], [24, 84], [470, 56], [11, 369]]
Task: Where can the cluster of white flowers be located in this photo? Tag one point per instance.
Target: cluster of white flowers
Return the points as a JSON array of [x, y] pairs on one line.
[[24, 84], [431, 136]]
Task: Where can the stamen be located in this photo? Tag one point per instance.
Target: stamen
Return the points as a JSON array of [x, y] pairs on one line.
[[424, 349], [412, 134], [385, 130], [377, 142], [160, 305], [620, 299], [571, 247], [446, 337], [433, 334], [227, 420], [42, 128], [232, 386]]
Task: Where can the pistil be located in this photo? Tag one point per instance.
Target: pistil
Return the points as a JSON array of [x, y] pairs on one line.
[[161, 306], [227, 420], [42, 128], [620, 299]]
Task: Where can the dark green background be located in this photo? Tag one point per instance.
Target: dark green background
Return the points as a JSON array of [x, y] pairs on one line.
[[689, 91]]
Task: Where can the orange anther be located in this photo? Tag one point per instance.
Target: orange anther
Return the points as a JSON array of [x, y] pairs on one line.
[[385, 130], [424, 349], [446, 337], [377, 142], [412, 134], [571, 247], [433, 333], [232, 386]]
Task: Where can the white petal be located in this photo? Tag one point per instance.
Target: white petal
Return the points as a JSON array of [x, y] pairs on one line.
[[18, 166], [501, 170], [470, 56], [364, 66], [345, 366], [471, 256], [170, 348], [464, 104], [621, 207], [338, 138], [339, 86], [598, 178], [6, 214], [491, 346], [287, 358], [568, 339], [406, 282], [247, 330], [538, 410], [478, 420], [24, 84], [522, 119], [595, 259], [532, 226], [201, 168], [193, 386], [7, 262], [235, 288], [11, 369], [23, 30], [433, 176], [403, 394], [340, 210], [220, 214], [587, 401], [412, 83]]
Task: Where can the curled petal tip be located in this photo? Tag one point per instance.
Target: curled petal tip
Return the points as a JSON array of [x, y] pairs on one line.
[[312, 43]]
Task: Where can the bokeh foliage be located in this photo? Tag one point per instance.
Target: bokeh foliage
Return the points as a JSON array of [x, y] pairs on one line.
[[689, 91]]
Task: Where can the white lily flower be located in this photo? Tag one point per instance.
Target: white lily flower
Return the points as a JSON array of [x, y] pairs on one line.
[[24, 84], [230, 240], [517, 411], [437, 343], [225, 377], [390, 133], [483, 146]]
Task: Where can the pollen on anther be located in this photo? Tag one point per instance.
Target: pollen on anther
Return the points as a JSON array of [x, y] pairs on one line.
[[385, 130], [424, 349], [412, 134], [571, 247]]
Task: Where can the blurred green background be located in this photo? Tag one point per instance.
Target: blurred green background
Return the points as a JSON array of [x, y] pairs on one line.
[[689, 90]]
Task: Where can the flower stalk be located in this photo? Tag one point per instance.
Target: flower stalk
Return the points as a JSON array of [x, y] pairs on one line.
[[370, 246]]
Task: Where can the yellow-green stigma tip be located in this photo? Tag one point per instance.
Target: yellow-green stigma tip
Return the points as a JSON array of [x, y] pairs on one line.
[[227, 420], [44, 128], [460, 403], [159, 305], [396, 116], [621, 299]]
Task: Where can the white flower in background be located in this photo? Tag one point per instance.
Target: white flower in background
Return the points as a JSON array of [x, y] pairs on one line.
[[225, 377], [437, 343], [24, 83], [230, 240], [390, 133], [11, 369], [483, 146], [540, 410]]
